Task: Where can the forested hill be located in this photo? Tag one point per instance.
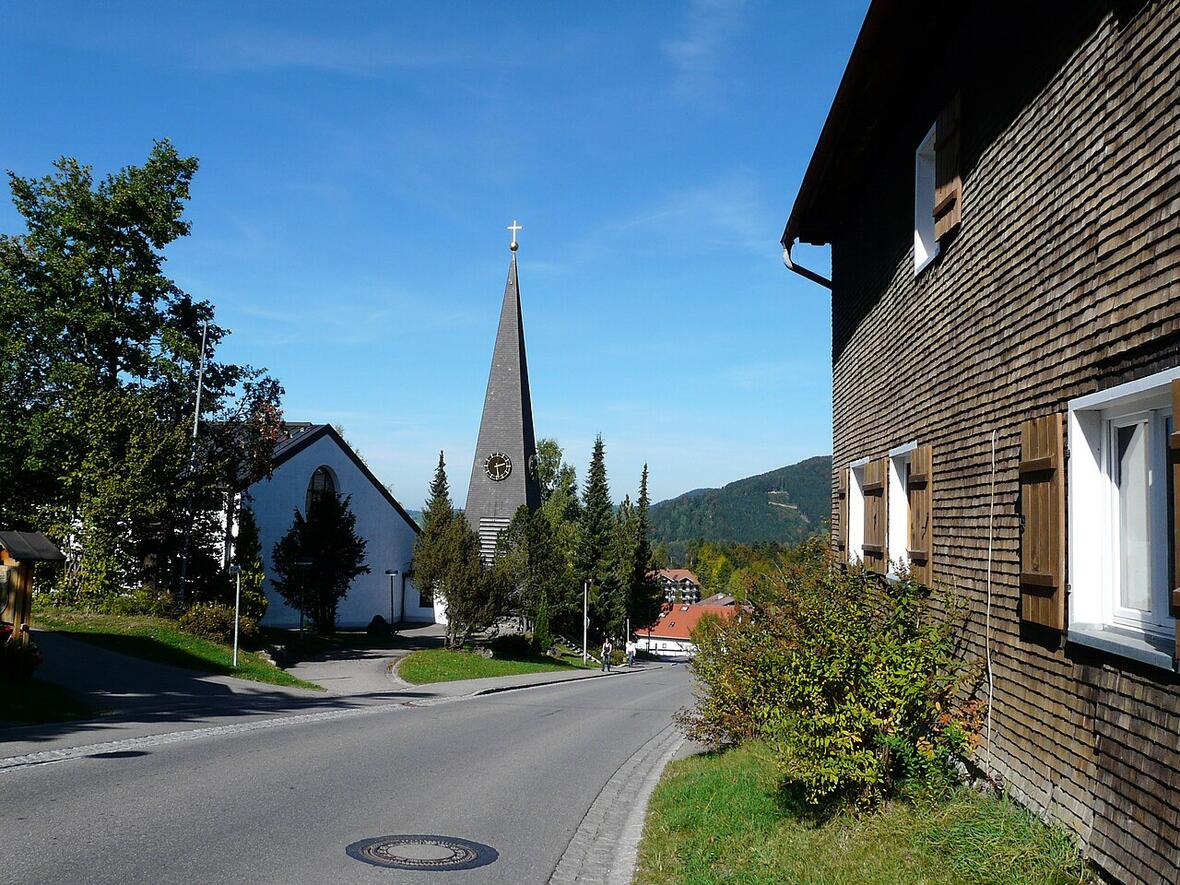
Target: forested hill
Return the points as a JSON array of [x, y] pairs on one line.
[[785, 505]]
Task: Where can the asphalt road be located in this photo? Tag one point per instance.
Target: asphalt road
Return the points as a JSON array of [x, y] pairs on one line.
[[516, 771]]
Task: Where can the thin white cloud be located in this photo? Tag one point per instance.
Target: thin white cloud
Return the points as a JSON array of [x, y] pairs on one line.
[[729, 212], [697, 53]]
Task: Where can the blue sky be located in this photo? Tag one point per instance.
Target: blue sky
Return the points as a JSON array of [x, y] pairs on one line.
[[359, 165]]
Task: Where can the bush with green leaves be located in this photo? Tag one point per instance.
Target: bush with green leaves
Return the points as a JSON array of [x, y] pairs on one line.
[[852, 679], [211, 620], [143, 601]]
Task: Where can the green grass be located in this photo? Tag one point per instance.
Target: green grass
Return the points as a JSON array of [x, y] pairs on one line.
[[161, 639], [447, 665], [718, 818], [38, 701]]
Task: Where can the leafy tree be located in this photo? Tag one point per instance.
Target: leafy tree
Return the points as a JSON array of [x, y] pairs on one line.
[[248, 557], [474, 594], [326, 538], [533, 569], [98, 357], [554, 475], [447, 559]]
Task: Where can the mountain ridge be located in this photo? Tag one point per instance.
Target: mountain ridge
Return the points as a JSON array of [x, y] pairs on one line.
[[786, 505]]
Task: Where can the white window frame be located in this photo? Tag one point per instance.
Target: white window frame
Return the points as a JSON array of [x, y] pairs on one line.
[[1095, 616], [856, 510], [898, 534], [926, 246]]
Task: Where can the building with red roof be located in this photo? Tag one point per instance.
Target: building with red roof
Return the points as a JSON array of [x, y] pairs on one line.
[[671, 635]]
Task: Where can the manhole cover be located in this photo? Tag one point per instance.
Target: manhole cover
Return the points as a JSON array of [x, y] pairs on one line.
[[440, 853]]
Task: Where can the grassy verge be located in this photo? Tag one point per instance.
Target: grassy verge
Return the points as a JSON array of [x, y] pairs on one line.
[[161, 639], [38, 701], [719, 818], [447, 665]]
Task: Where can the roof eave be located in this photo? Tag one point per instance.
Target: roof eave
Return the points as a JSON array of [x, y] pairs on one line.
[[800, 224]]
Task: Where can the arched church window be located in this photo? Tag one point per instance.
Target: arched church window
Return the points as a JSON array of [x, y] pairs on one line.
[[321, 486]]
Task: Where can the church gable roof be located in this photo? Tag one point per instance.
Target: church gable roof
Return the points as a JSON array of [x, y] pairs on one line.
[[309, 434]]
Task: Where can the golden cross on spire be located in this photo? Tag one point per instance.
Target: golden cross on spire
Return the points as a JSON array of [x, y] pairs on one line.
[[514, 227]]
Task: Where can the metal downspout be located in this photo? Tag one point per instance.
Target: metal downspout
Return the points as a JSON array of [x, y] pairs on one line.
[[802, 271]]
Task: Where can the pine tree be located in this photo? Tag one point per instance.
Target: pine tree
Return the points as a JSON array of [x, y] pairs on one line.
[[596, 523], [645, 597], [439, 509], [615, 593], [326, 538], [432, 548]]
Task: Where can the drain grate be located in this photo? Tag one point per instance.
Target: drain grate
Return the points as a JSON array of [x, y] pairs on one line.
[[438, 853]]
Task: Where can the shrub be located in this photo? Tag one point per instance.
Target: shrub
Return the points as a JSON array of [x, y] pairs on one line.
[[211, 620], [850, 678], [144, 601], [513, 646]]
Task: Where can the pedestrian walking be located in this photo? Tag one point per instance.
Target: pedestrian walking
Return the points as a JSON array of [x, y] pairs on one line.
[[607, 651], [630, 652]]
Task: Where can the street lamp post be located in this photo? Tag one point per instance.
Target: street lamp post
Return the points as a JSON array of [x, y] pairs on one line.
[[392, 572], [236, 571]]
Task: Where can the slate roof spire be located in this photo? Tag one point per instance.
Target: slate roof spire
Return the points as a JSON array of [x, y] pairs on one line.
[[504, 472]]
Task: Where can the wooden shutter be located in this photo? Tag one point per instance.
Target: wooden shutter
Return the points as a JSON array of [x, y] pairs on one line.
[[841, 534], [1174, 451], [920, 490], [876, 556], [1042, 506], [948, 185]]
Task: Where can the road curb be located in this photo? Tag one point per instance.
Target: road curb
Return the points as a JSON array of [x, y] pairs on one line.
[[498, 689], [605, 847]]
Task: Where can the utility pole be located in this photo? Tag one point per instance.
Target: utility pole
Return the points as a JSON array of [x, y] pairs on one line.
[[192, 465]]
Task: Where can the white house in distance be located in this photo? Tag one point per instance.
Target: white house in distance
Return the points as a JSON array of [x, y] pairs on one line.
[[315, 458], [679, 584], [670, 637]]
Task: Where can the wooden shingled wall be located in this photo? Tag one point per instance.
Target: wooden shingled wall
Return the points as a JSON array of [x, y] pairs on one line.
[[1062, 278]]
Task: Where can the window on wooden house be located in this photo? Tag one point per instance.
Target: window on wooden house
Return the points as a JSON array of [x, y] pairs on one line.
[[925, 244], [856, 510], [899, 507], [1122, 526], [938, 187]]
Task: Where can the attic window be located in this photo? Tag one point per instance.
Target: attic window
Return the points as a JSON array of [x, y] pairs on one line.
[[925, 245], [938, 186]]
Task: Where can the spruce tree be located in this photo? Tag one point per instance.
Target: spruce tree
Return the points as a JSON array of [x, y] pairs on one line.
[[326, 538], [645, 596], [432, 548], [596, 523]]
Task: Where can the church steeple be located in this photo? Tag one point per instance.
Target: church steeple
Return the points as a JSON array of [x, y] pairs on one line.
[[504, 472]]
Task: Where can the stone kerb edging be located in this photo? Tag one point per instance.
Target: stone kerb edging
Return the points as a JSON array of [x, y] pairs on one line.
[[605, 847]]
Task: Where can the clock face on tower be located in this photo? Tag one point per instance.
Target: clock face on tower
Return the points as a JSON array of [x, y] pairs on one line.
[[497, 466]]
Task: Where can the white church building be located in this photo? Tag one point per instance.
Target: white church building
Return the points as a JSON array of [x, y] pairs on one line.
[[316, 459]]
